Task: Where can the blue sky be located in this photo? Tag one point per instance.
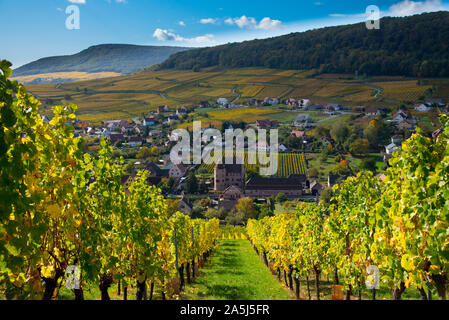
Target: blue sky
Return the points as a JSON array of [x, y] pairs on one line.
[[33, 29]]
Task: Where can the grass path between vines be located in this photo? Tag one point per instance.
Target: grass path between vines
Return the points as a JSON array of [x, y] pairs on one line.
[[235, 272]]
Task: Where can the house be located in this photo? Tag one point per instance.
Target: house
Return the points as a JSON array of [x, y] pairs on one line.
[[137, 121], [135, 141], [292, 186], [172, 118], [185, 206], [128, 179], [274, 101], [116, 137], [149, 120], [304, 103], [400, 116], [330, 109], [266, 124], [405, 125], [165, 161], [232, 193], [292, 103], [422, 107], [222, 101], [298, 134], [128, 128], [435, 102], [162, 109], [204, 104], [392, 147], [360, 109], [226, 175], [155, 133], [396, 139], [316, 188], [372, 112], [111, 124], [181, 111], [334, 106], [282, 148], [302, 121], [155, 171], [230, 197], [177, 171]]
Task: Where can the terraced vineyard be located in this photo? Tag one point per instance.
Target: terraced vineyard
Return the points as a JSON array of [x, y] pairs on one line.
[[132, 95], [288, 164]]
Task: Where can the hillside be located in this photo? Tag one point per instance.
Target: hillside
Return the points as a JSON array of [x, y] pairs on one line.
[[411, 46], [127, 96], [118, 58]]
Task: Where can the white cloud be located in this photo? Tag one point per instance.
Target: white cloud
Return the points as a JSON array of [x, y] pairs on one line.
[[268, 24], [401, 9], [249, 22], [407, 7], [182, 23], [78, 1], [208, 21], [166, 35]]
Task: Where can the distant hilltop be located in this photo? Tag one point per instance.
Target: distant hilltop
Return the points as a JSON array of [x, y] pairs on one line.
[[415, 46], [112, 58]]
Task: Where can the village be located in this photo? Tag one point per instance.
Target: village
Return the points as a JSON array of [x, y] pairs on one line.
[[224, 189]]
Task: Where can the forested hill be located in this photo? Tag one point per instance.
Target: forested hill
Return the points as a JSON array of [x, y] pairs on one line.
[[411, 46], [120, 58]]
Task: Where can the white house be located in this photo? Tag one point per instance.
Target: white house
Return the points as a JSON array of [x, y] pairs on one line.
[[282, 148], [392, 148], [135, 141], [422, 108], [304, 103], [222, 101], [400, 116], [302, 120]]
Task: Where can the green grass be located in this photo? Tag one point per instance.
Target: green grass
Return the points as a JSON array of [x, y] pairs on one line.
[[235, 272]]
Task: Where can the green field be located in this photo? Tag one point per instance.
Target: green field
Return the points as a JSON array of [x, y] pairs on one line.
[[132, 95], [235, 272]]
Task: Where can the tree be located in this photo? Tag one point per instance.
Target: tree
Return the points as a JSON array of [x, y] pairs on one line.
[[212, 213], [235, 218], [369, 164], [313, 173], [144, 153], [191, 183], [247, 208], [359, 147], [326, 195], [339, 133], [372, 135], [281, 198]]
